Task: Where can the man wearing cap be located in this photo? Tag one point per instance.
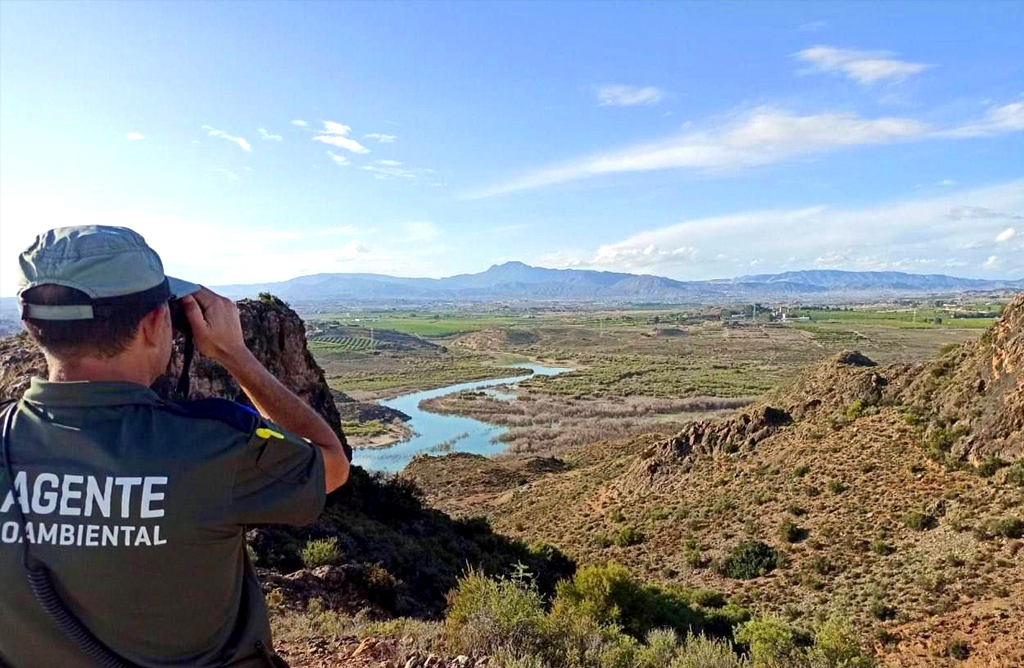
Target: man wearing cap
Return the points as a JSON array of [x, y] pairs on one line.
[[121, 514]]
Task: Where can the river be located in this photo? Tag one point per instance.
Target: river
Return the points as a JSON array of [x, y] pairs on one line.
[[440, 434]]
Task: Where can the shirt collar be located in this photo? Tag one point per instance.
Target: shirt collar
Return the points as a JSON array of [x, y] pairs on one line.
[[89, 393]]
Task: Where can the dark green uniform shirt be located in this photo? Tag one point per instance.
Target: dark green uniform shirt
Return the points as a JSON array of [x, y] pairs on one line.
[[138, 505]]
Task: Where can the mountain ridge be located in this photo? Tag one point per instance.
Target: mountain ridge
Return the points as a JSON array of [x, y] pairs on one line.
[[519, 281]]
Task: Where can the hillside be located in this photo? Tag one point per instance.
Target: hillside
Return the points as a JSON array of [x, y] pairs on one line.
[[518, 281], [891, 494]]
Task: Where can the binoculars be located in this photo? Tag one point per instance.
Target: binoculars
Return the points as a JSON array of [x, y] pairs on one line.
[[179, 321]]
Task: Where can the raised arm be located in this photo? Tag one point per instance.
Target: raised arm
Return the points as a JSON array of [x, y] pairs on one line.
[[218, 335]]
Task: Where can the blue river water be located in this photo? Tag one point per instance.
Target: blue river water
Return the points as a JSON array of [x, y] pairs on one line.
[[441, 434]]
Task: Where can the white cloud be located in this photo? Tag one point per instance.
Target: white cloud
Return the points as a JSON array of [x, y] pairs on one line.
[[381, 138], [223, 135], [269, 137], [134, 136], [993, 262], [390, 169], [228, 173], [335, 135], [299, 123], [864, 67], [631, 257], [762, 136], [997, 120], [1006, 235], [909, 235], [628, 96], [353, 249], [947, 182], [339, 159]]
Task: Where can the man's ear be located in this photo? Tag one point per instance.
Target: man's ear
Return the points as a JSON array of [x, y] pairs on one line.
[[154, 325]]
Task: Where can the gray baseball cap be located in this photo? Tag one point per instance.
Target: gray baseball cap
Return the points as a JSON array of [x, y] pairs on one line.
[[113, 266]]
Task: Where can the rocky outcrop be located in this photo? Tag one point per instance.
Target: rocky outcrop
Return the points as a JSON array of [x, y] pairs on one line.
[[972, 398]]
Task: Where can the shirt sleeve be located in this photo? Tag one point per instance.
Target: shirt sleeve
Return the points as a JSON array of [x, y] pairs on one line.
[[279, 479]]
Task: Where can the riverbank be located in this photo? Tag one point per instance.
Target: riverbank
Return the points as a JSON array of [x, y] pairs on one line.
[[453, 433], [541, 424]]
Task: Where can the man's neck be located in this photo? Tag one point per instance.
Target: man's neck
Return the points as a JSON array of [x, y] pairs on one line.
[[98, 370]]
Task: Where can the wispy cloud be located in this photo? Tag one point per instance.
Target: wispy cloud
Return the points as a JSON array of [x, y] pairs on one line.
[[617, 95], [997, 120], [134, 136], [914, 234], [299, 123], [812, 26], [864, 67], [993, 262], [269, 137], [224, 135], [381, 138], [390, 169], [339, 159], [762, 136], [1006, 235], [228, 173], [335, 134]]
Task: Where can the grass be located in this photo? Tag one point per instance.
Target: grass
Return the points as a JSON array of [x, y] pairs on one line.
[[425, 324], [416, 371]]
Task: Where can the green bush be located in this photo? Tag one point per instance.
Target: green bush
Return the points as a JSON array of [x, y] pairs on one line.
[[772, 643], [627, 536], [381, 585], [791, 533], [749, 560], [1015, 473], [486, 615], [659, 651], [837, 646], [919, 520], [322, 552], [609, 595], [990, 466], [958, 649], [1007, 527], [703, 652], [882, 548]]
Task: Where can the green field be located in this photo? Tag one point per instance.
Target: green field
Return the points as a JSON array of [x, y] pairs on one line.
[[341, 344], [425, 324], [905, 318]]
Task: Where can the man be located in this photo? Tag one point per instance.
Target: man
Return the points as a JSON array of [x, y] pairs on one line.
[[135, 506]]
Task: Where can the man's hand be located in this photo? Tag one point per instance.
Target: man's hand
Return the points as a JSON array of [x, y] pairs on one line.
[[218, 335], [215, 325]]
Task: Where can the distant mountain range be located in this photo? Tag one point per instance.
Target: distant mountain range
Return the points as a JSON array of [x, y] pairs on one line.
[[519, 281]]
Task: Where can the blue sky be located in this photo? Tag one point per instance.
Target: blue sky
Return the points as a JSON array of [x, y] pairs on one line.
[[260, 141]]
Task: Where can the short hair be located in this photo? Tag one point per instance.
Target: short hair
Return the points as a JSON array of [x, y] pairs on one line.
[[106, 337]]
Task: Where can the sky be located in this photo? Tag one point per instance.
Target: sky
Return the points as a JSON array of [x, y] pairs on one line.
[[254, 142]]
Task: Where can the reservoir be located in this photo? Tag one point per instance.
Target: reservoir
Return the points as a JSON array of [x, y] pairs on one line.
[[441, 434]]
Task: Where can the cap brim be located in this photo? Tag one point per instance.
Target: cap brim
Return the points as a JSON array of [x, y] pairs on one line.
[[180, 288]]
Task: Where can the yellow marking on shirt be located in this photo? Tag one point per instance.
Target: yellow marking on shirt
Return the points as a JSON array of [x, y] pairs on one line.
[[263, 432]]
